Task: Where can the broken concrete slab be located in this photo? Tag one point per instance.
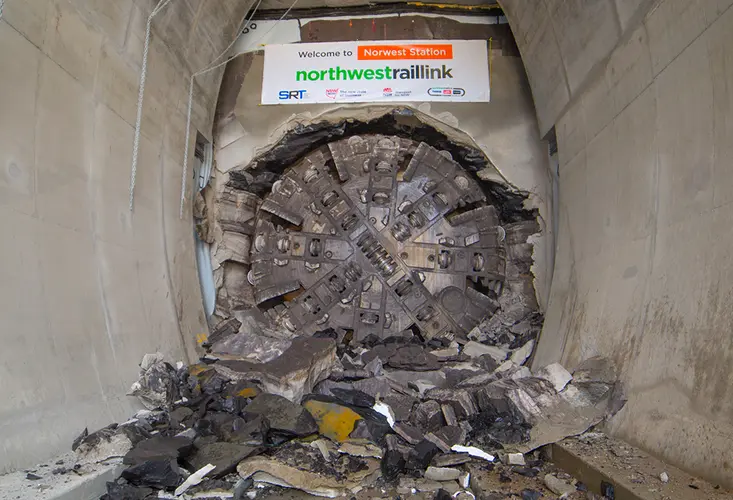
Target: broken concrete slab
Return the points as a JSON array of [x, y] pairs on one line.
[[112, 441], [353, 397], [291, 375], [441, 473], [283, 415], [460, 399], [447, 437], [401, 405], [520, 356], [558, 486], [393, 464], [157, 386], [409, 433], [356, 449], [451, 459], [162, 474], [413, 357], [449, 414], [314, 477], [224, 456], [405, 377], [476, 350], [556, 374], [222, 330], [428, 416], [159, 448], [249, 347]]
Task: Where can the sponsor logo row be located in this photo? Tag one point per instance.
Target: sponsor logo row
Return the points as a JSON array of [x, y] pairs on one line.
[[334, 93]]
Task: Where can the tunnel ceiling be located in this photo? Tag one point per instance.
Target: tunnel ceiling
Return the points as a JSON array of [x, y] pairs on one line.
[[378, 234], [308, 4]]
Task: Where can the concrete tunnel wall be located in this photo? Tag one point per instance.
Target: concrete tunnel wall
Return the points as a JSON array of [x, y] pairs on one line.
[[639, 93]]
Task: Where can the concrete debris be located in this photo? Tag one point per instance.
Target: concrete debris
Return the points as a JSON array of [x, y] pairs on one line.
[[223, 456], [223, 329], [282, 415], [158, 448], [291, 375], [476, 350], [314, 418], [409, 433], [516, 459], [558, 486], [556, 374], [393, 464], [451, 459], [162, 474], [304, 472], [442, 473], [157, 385], [446, 437], [521, 355], [414, 358], [361, 449], [473, 451], [664, 477], [447, 354], [254, 348], [194, 479], [112, 441]]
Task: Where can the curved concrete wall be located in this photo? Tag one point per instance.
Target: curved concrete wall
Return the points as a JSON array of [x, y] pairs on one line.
[[86, 287], [639, 92]]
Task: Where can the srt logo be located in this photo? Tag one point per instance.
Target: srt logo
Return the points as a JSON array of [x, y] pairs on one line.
[[290, 94]]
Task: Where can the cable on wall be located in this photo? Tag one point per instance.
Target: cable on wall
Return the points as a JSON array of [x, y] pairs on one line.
[[212, 67], [140, 96]]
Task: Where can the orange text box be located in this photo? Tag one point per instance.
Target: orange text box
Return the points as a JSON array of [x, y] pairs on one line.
[[407, 51]]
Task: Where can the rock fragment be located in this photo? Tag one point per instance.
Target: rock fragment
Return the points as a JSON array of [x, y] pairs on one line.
[[556, 374], [475, 350], [557, 485], [409, 433], [392, 465], [224, 456], [291, 375], [413, 357], [442, 473], [282, 415], [460, 399], [523, 353], [428, 416], [162, 474], [159, 448]]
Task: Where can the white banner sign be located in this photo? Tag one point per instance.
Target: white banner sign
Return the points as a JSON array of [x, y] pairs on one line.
[[427, 70]]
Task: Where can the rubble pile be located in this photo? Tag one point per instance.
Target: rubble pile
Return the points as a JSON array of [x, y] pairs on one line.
[[331, 419], [377, 315]]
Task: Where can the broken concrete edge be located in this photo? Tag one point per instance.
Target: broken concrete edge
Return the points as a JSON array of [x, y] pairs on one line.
[[89, 486], [300, 136], [600, 478]]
